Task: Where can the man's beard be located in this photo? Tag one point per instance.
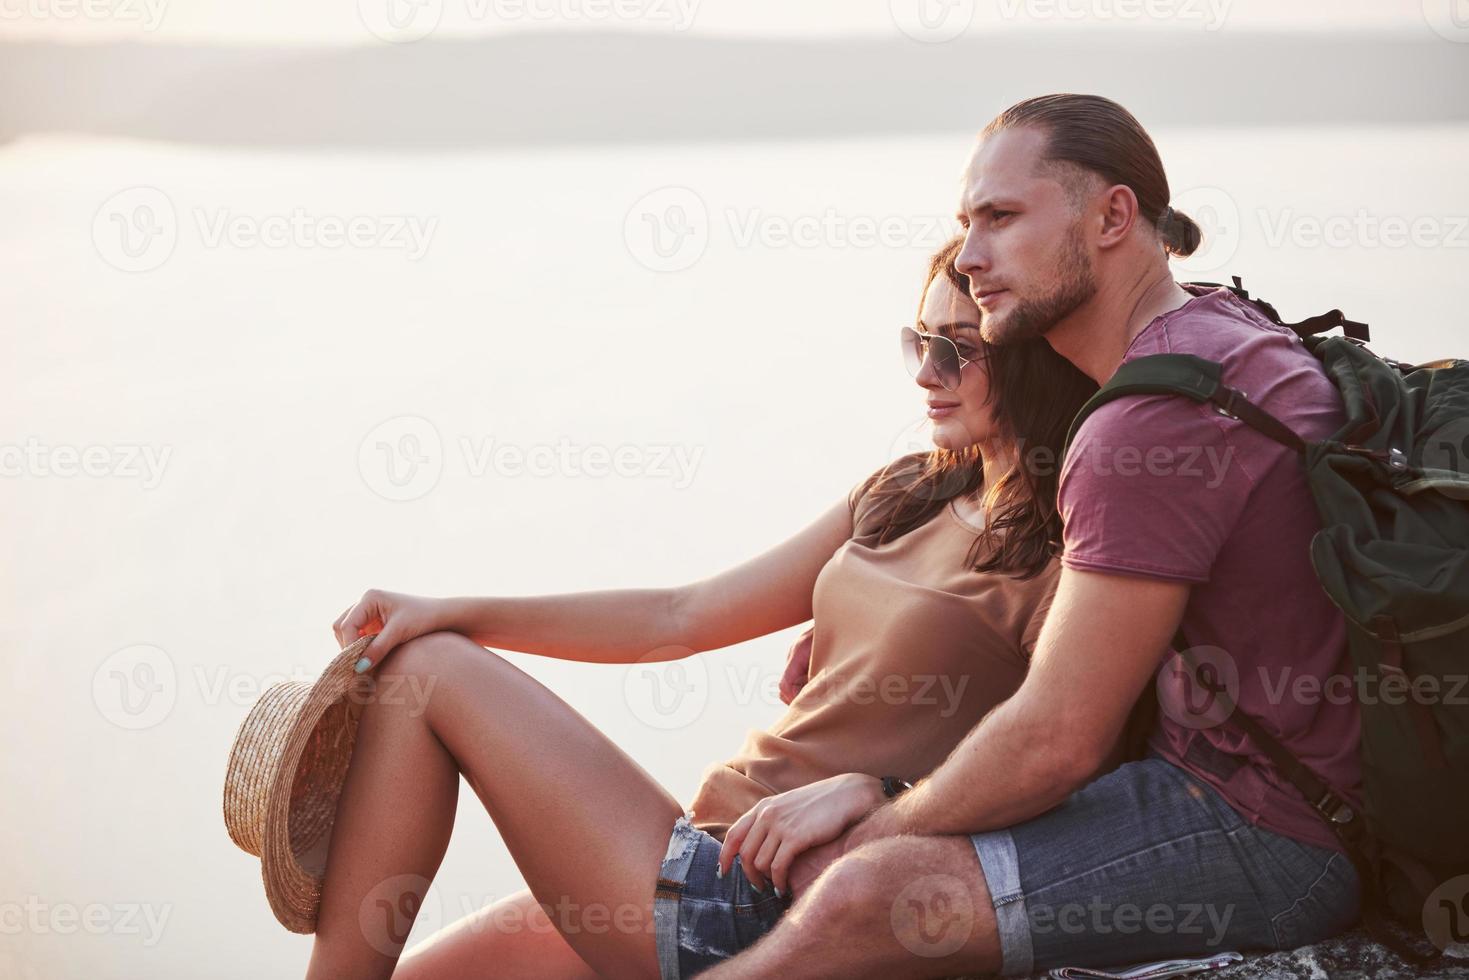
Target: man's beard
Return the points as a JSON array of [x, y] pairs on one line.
[[1076, 282]]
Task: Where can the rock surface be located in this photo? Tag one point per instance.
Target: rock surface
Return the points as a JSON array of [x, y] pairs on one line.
[[1350, 956]]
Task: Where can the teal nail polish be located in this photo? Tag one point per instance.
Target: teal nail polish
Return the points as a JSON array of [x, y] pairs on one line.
[[778, 893], [362, 664], [719, 872]]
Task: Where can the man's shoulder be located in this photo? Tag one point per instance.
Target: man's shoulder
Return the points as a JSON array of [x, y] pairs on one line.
[[1219, 326], [1255, 355]]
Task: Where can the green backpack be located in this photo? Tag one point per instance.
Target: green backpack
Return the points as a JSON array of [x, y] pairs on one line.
[[1392, 489]]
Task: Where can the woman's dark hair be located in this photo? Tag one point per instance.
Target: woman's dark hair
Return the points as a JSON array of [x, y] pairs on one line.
[[1099, 136], [1036, 393]]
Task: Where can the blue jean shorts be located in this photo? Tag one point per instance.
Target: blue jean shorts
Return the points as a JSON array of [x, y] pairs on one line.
[[1149, 863], [700, 919]]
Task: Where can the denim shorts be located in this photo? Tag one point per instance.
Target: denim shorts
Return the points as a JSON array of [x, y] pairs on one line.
[[1149, 863], [699, 919]]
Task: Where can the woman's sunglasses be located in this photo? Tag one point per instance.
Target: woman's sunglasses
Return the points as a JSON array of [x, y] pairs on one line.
[[947, 362]]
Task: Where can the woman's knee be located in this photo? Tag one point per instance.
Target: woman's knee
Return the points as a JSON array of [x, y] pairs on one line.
[[433, 655], [415, 671]]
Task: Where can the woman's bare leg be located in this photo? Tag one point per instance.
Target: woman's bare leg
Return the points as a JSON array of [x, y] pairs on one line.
[[587, 826], [512, 939]]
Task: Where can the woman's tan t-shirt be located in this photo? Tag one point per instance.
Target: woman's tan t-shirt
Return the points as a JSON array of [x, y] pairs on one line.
[[911, 648]]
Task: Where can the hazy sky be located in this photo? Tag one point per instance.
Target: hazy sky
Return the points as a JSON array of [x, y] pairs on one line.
[[289, 21]]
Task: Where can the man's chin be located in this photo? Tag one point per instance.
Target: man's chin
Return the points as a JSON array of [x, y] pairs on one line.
[[1010, 329]]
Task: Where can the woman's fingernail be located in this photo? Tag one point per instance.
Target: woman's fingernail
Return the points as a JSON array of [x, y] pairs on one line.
[[718, 872], [362, 664], [778, 893]]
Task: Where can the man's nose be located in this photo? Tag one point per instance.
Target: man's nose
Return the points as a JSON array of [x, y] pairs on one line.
[[973, 258]]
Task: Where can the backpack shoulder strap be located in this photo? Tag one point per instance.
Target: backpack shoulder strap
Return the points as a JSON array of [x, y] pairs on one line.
[[1191, 377]]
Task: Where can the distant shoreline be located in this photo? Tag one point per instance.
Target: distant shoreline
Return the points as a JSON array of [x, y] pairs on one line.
[[519, 89]]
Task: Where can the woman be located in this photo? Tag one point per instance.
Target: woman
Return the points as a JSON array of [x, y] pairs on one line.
[[927, 586]]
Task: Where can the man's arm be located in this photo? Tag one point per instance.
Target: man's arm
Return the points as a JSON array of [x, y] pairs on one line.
[[1101, 645]]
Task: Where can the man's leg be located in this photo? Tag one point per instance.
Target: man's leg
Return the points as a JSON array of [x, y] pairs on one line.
[[900, 907], [1145, 863]]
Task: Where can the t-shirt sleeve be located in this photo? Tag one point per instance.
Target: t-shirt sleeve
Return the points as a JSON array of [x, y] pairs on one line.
[[855, 493], [856, 502], [1152, 486], [904, 469]]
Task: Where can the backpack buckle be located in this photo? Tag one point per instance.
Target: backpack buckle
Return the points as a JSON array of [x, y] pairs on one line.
[[1335, 809], [1232, 395]]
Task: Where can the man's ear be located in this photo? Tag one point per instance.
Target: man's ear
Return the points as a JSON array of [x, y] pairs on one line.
[[1117, 215]]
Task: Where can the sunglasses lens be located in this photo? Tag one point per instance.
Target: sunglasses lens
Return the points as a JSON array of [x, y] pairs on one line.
[[945, 361], [912, 351]]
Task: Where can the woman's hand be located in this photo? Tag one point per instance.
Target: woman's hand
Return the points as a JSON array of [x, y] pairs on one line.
[[798, 667], [394, 617], [778, 828]]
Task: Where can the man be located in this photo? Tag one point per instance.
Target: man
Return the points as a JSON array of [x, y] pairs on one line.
[[1011, 857]]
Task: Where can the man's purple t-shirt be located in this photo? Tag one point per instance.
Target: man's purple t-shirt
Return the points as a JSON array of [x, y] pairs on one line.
[[1163, 487]]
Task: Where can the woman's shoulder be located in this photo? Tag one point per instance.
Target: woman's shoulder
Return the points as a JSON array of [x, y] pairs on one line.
[[901, 471]]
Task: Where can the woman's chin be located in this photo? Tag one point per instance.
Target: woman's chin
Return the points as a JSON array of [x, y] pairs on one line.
[[951, 434]]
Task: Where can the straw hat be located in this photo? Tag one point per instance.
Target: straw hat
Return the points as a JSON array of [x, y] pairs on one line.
[[285, 772]]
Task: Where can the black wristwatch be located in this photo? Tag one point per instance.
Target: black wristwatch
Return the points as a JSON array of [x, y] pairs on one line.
[[892, 786]]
